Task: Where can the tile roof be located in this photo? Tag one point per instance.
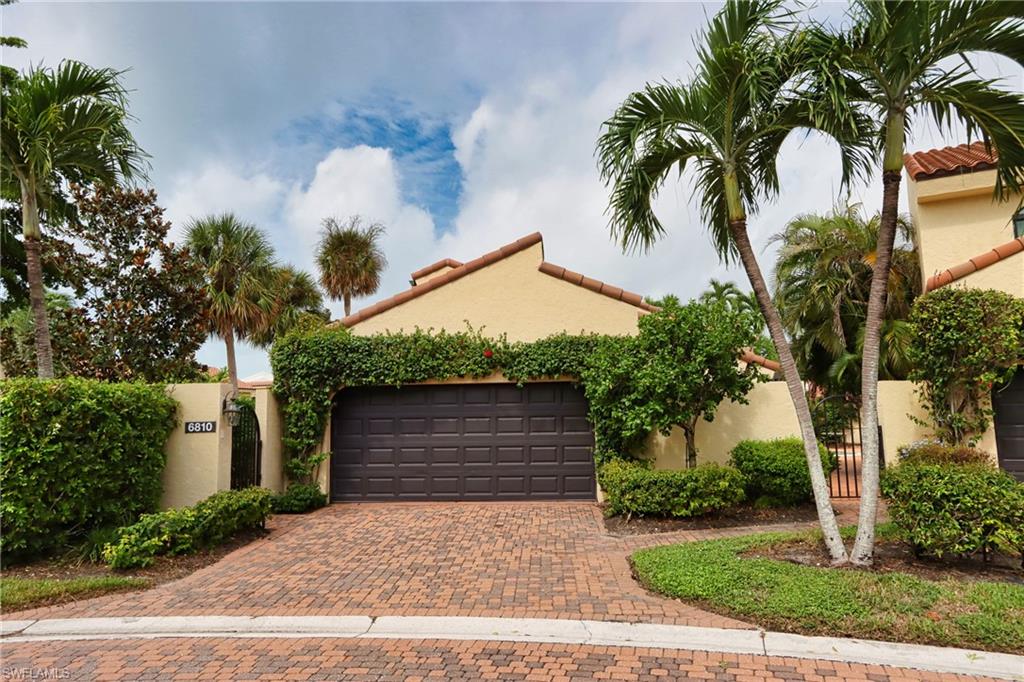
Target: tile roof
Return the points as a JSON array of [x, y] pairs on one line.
[[434, 267], [979, 262], [462, 269], [751, 358], [938, 163]]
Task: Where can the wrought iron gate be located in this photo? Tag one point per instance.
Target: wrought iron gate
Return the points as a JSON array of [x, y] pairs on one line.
[[837, 424], [246, 449]]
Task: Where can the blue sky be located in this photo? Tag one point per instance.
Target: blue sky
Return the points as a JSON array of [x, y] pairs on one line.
[[459, 126]]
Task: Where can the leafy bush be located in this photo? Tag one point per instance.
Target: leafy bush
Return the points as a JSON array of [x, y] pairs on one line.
[[185, 530], [964, 341], [633, 487], [299, 498], [934, 452], [960, 510], [77, 455], [776, 471]]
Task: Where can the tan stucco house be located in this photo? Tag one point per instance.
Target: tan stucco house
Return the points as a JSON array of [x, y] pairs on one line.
[[965, 238], [490, 439]]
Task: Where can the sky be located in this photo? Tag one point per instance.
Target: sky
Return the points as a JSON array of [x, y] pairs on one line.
[[460, 127]]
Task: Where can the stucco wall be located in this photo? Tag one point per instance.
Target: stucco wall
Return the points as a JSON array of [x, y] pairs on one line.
[[957, 219], [509, 297], [198, 464]]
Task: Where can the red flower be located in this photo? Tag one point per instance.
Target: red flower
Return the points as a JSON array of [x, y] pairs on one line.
[[488, 353]]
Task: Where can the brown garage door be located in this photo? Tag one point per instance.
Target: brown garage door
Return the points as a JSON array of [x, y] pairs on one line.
[[462, 442], [1008, 403]]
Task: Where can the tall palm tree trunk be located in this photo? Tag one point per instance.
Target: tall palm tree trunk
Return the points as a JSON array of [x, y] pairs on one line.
[[347, 298], [36, 294], [892, 164], [822, 500], [229, 344]]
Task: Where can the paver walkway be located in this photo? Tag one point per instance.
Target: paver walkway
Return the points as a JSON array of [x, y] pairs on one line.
[[348, 659], [522, 560]]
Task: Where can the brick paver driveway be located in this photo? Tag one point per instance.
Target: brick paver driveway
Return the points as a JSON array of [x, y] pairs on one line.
[[346, 659], [532, 559]]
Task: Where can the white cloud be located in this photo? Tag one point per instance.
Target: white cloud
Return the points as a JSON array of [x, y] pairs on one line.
[[216, 187]]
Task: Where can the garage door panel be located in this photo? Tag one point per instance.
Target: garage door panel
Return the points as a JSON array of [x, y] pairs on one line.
[[1008, 405], [475, 442]]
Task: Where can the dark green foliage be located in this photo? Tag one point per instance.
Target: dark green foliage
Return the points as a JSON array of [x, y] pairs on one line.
[[719, 575], [959, 510], [186, 530], [633, 487], [77, 455], [964, 341], [776, 470], [299, 498]]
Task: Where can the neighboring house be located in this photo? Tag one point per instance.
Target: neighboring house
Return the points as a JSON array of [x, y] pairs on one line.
[[489, 439], [966, 238]]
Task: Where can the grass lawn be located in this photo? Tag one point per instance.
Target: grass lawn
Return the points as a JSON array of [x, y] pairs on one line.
[[23, 593], [789, 597]]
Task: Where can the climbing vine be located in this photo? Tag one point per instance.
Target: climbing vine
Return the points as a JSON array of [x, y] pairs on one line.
[[310, 365]]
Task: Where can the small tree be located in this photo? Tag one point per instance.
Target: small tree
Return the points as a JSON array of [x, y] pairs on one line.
[[682, 364], [964, 342]]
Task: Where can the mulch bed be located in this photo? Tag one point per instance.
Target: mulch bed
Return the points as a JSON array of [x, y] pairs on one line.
[[745, 515], [896, 557], [164, 569]]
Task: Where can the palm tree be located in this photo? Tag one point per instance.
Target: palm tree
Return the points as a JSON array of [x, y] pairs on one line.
[[350, 260], [822, 280], [727, 125], [744, 304], [898, 62], [293, 296], [238, 264], [68, 123]]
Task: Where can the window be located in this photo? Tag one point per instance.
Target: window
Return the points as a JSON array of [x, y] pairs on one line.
[[1018, 224]]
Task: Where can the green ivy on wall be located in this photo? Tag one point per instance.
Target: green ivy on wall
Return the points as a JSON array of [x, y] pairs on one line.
[[310, 366]]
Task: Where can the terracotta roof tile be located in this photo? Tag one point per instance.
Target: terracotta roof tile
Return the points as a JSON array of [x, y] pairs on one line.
[[434, 267], [752, 358], [596, 286], [979, 262], [938, 163]]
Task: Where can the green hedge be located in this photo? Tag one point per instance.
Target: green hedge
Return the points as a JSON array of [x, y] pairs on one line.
[[185, 530], [958, 510], [776, 471], [633, 487], [299, 498], [934, 452], [77, 455]]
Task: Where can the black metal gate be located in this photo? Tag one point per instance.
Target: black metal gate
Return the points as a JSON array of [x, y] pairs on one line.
[[246, 449], [837, 424]]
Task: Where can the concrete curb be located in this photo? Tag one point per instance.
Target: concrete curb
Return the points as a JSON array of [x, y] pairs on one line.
[[936, 659]]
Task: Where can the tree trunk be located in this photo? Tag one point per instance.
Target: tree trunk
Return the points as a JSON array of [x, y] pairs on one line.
[[229, 344], [36, 294], [347, 298], [689, 431], [822, 500], [864, 544]]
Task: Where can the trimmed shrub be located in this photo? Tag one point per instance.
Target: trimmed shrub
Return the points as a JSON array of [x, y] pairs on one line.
[[934, 452], [776, 470], [185, 530], [299, 498], [77, 455], [959, 510], [633, 487]]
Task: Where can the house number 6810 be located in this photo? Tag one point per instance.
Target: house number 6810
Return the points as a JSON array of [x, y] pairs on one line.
[[200, 427]]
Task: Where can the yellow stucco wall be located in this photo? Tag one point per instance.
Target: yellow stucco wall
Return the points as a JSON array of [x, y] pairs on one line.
[[198, 464], [956, 219], [509, 297]]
